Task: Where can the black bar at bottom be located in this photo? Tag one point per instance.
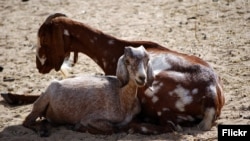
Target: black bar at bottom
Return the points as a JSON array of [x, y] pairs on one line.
[[235, 132]]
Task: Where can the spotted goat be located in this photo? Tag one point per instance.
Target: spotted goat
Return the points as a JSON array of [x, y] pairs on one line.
[[96, 104], [186, 91]]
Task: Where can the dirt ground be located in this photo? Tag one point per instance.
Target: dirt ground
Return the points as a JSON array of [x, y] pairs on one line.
[[218, 31]]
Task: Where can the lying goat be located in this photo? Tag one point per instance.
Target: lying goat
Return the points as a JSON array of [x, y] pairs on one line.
[[96, 104]]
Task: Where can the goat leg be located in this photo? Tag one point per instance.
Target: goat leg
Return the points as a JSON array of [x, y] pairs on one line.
[[75, 57], [79, 128], [44, 128], [100, 127], [30, 122], [40, 127]]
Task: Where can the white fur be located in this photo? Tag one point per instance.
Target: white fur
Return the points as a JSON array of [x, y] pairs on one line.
[[155, 99], [144, 129], [42, 59], [159, 113], [184, 97], [195, 91], [111, 42], [66, 32], [212, 89], [159, 63]]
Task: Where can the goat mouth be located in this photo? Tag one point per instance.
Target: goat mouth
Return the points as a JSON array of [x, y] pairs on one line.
[[44, 70], [48, 65], [140, 83]]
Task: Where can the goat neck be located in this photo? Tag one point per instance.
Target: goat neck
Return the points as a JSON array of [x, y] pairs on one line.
[[128, 98], [101, 47], [104, 49]]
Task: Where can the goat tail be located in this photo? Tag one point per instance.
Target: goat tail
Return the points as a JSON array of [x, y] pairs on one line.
[[52, 16]]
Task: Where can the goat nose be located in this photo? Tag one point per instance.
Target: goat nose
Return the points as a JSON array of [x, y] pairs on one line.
[[142, 78]]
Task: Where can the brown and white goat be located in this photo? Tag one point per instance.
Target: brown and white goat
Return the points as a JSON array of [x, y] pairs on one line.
[[96, 104], [186, 90]]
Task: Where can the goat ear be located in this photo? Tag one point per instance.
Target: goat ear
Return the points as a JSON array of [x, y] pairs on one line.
[[150, 74], [58, 46], [127, 51], [122, 72], [51, 45]]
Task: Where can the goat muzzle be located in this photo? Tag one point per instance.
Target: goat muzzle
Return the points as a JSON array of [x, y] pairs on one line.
[[141, 81], [45, 68]]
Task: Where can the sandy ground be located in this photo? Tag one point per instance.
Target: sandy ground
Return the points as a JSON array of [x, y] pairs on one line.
[[217, 31]]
